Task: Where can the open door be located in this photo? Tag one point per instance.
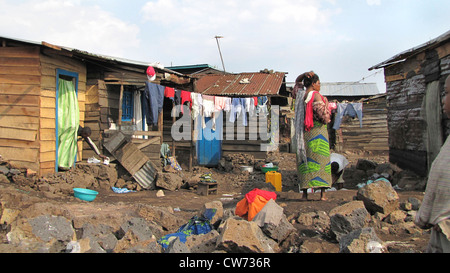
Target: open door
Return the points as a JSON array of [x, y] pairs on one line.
[[67, 118]]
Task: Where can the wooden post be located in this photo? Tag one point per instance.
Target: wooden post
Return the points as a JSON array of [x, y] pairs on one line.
[[174, 119], [119, 120], [191, 152], [160, 126]]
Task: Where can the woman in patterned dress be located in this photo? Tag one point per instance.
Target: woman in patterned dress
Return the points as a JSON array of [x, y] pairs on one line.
[[313, 153]]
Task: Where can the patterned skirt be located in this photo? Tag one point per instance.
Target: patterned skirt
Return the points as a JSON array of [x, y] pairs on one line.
[[316, 173]]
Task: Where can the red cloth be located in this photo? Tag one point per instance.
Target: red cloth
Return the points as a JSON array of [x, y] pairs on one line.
[[185, 97], [256, 100], [253, 202], [309, 121], [169, 92], [250, 196]]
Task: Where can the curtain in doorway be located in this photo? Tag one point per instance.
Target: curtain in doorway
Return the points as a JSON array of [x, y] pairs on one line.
[[138, 121], [431, 113], [68, 122]]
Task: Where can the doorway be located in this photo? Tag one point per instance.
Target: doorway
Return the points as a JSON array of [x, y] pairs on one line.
[[67, 116]]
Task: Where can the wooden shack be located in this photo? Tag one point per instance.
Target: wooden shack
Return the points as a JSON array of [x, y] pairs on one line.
[[232, 137], [29, 74], [247, 140], [415, 87], [372, 137]]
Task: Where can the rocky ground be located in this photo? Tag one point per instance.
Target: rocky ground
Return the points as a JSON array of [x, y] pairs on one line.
[[40, 214]]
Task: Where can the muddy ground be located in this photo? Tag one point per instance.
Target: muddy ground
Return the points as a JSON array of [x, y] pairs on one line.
[[232, 185]]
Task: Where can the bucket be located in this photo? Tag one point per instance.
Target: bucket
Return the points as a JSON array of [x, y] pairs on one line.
[[269, 169], [274, 178]]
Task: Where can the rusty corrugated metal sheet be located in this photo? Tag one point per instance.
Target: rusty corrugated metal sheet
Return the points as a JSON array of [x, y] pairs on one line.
[[146, 176], [260, 84]]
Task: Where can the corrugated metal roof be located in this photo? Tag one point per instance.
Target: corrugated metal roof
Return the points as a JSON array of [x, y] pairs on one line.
[[243, 84], [413, 51], [348, 89], [103, 57]]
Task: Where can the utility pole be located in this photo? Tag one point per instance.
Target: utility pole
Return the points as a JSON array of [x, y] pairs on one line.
[[218, 46]]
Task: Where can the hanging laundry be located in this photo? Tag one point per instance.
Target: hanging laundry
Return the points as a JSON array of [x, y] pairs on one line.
[[227, 107], [208, 110], [235, 109], [348, 109], [219, 103], [169, 93], [238, 108], [261, 108], [332, 106], [197, 104], [250, 106], [208, 105], [177, 98], [185, 97], [154, 99], [137, 119], [244, 112]]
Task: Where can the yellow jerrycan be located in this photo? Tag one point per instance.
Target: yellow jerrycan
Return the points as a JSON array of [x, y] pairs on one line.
[[274, 178]]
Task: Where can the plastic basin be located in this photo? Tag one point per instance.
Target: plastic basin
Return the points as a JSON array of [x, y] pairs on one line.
[[85, 194], [269, 169]]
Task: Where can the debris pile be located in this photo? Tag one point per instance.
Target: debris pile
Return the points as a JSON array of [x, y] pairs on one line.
[[357, 225], [365, 171]]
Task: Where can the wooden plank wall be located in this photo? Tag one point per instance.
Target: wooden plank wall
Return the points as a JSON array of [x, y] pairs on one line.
[[239, 140], [50, 62], [406, 84], [373, 136], [96, 90], [168, 121], [19, 105], [109, 101]]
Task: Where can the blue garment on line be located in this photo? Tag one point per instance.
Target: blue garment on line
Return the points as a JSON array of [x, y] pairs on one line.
[[238, 107], [153, 102], [348, 109]]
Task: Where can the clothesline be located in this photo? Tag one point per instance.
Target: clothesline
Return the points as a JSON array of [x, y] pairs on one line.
[[200, 104]]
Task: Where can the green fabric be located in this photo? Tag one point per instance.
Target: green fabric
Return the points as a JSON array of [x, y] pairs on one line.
[[68, 122], [316, 171]]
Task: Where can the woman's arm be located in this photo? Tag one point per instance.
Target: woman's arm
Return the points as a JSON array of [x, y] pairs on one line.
[[303, 76], [323, 112]]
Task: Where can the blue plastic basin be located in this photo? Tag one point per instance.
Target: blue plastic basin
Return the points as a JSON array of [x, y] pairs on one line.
[[85, 194]]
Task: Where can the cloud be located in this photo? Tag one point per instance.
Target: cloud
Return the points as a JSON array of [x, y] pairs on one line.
[[199, 15], [374, 2], [72, 23], [254, 30]]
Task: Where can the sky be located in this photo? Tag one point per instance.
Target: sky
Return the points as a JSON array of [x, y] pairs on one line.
[[338, 39]]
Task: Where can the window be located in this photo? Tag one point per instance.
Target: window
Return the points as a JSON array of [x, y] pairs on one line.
[[127, 105]]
